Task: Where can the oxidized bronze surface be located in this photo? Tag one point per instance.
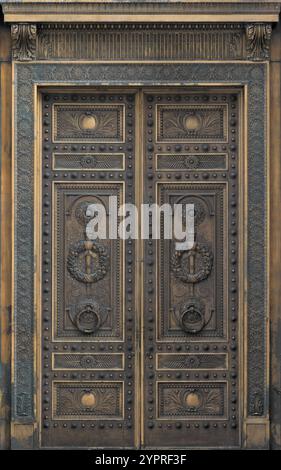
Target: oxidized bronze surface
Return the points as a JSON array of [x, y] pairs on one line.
[[185, 349]]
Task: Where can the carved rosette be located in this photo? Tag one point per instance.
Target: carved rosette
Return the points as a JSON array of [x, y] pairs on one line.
[[24, 41], [258, 41]]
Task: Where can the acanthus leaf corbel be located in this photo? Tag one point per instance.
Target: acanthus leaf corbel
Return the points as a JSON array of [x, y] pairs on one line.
[[258, 38], [23, 41]]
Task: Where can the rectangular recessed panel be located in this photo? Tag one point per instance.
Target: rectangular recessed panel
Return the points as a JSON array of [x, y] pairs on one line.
[[202, 312], [88, 400], [80, 308], [191, 161], [88, 161], [191, 122], [89, 361], [88, 122], [193, 400], [191, 361]]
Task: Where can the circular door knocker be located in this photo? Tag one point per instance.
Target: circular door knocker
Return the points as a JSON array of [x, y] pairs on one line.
[[192, 316], [88, 320], [181, 267], [88, 317], [90, 251]]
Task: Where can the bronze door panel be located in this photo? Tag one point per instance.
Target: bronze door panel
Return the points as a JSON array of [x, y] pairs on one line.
[[88, 327], [191, 354], [140, 341]]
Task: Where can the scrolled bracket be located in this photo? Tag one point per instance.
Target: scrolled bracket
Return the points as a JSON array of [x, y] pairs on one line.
[[24, 41], [258, 38]]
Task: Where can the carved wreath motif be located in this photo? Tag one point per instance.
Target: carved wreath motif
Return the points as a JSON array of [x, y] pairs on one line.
[[180, 269], [93, 250]]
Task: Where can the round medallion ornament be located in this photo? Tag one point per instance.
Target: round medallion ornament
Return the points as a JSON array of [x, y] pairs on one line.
[[88, 362], [203, 260], [192, 362], [96, 261], [87, 122], [192, 122], [88, 161], [191, 161], [88, 399], [193, 400]]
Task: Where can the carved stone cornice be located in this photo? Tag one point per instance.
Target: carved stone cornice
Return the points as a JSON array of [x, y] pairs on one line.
[[81, 11], [141, 41]]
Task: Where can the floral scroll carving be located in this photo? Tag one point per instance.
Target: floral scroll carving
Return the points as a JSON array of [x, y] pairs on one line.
[[95, 400], [24, 41], [179, 400]]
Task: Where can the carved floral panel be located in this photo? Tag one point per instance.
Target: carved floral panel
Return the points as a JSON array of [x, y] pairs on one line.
[[177, 400], [88, 400], [192, 122], [92, 122]]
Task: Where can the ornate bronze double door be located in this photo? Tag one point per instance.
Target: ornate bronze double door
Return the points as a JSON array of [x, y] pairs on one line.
[[140, 341]]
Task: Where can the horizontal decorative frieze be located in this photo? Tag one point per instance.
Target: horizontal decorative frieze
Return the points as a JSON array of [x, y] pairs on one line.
[[88, 361], [141, 42], [191, 361], [191, 161], [88, 161]]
